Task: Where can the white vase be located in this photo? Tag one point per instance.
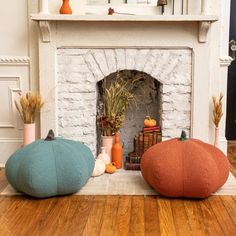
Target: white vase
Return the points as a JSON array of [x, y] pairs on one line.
[[29, 133], [104, 156]]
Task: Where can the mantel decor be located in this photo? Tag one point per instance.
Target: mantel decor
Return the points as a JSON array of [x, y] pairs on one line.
[[28, 106]]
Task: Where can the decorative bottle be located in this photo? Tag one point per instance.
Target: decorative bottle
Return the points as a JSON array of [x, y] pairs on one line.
[[65, 8], [117, 152]]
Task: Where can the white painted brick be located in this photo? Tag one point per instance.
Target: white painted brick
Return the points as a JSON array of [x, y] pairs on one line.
[[141, 59], [111, 60], [130, 55], [80, 69], [120, 59], [99, 56], [92, 65]]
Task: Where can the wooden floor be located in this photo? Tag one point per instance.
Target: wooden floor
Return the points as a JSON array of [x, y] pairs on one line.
[[118, 215]]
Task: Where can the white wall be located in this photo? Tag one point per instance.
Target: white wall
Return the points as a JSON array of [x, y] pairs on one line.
[[16, 70]]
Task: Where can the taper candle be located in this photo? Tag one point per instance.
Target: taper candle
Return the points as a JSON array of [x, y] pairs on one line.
[[44, 7]]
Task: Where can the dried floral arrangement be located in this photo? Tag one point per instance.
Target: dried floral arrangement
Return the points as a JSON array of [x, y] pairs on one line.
[[116, 98], [217, 109], [28, 106]]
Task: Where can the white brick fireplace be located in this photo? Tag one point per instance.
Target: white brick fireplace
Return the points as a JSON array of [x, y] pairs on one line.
[[79, 70], [75, 52]]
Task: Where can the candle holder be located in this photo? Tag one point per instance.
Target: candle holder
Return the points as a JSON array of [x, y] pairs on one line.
[[162, 3]]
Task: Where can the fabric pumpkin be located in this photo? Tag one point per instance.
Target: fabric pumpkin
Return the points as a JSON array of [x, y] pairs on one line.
[[99, 168], [50, 167], [185, 168], [110, 168]]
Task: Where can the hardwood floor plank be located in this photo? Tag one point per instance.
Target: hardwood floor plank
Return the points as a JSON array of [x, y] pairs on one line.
[[195, 217], [165, 217], [137, 216], [212, 226], [123, 216], [152, 226], [95, 219], [222, 215], [180, 218], [110, 214], [229, 203]]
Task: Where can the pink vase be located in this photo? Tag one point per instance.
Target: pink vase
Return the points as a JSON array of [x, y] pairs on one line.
[[216, 142], [29, 133], [107, 143]]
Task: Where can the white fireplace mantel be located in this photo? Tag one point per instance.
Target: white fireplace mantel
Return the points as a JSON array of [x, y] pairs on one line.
[[44, 20]]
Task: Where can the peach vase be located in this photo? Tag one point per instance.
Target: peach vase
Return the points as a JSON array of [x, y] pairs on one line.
[[107, 143], [29, 133], [117, 152], [65, 8], [216, 141]]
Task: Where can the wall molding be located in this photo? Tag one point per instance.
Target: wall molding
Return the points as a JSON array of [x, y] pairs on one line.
[[12, 123], [225, 61], [11, 140], [14, 60]]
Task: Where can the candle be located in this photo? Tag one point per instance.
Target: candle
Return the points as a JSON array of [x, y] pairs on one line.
[[204, 7], [44, 7]]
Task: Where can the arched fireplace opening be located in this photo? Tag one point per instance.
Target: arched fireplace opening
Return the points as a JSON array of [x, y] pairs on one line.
[[148, 102]]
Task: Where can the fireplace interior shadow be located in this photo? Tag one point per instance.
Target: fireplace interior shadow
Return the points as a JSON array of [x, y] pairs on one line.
[[148, 102]]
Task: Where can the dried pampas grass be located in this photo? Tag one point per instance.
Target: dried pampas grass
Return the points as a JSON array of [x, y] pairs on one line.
[[217, 109], [28, 106]]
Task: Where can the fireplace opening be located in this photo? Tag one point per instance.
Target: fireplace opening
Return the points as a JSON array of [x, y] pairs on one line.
[[148, 102]]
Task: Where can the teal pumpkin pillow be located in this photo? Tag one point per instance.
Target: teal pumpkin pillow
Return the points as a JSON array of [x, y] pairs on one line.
[[50, 167]]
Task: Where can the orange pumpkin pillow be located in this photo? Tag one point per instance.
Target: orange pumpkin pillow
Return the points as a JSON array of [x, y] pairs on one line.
[[188, 168]]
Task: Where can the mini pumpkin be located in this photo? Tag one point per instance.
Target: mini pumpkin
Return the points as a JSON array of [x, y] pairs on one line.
[[182, 167], [149, 122], [110, 168], [99, 168]]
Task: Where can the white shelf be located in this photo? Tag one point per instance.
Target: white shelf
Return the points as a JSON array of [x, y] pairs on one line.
[[139, 18], [204, 21]]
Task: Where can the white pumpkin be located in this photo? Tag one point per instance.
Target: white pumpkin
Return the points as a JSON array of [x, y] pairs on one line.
[[99, 168], [104, 156]]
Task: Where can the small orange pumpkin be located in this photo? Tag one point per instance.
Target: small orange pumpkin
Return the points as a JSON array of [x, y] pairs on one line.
[[110, 168], [149, 122]]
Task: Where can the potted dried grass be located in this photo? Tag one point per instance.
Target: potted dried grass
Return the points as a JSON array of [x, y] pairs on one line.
[[217, 115], [116, 98], [28, 106]]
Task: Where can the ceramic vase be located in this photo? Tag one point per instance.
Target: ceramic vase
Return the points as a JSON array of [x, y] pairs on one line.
[[117, 152], [29, 133], [104, 157], [65, 8], [107, 143], [216, 142]]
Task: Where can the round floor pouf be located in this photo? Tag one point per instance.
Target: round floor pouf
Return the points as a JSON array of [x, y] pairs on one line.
[[50, 167], [183, 167]]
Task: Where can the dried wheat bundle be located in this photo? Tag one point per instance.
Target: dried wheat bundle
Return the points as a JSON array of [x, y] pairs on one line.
[[217, 109], [28, 106], [117, 97]]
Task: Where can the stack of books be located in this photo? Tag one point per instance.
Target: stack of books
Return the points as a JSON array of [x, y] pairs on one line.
[[142, 141]]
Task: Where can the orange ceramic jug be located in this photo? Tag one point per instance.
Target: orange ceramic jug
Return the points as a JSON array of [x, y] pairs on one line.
[[65, 8], [117, 152]]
